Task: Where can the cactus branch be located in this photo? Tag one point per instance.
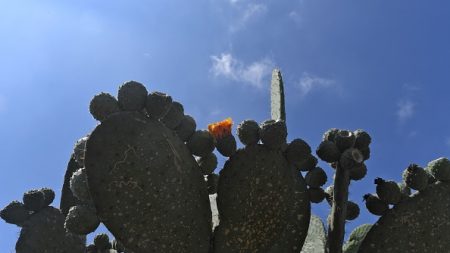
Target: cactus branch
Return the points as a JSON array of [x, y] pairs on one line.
[[336, 228]]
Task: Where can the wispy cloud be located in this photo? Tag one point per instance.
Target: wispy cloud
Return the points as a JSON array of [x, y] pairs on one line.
[[245, 14], [405, 109], [253, 74], [309, 82], [295, 16]]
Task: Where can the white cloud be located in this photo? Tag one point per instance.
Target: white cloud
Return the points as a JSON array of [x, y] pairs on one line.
[[253, 74], [405, 109], [309, 82], [295, 16], [246, 14]]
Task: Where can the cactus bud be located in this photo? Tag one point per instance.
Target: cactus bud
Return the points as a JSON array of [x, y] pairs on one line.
[[328, 151], [15, 213], [330, 134], [207, 163], [174, 116], [34, 200], [103, 105], [49, 196], [101, 242], [186, 128], [388, 191], [248, 132], [316, 177], [316, 195], [375, 205], [344, 140], [352, 210], [132, 96], [351, 158], [308, 163], [81, 220], [158, 104], [226, 145], [358, 172], [440, 169], [297, 152], [362, 139], [273, 133], [415, 177], [201, 143], [225, 141]]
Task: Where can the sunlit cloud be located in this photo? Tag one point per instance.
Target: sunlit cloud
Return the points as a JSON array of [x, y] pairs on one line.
[[252, 74], [309, 82]]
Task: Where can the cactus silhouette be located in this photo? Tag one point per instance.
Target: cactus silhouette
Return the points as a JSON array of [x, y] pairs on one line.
[[147, 173]]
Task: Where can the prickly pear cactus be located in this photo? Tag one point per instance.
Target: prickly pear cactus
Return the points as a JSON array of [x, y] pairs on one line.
[[262, 199], [146, 186], [316, 240], [419, 223], [356, 237], [42, 225], [67, 198]]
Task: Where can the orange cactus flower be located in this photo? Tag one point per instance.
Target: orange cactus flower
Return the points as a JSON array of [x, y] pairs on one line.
[[221, 129]]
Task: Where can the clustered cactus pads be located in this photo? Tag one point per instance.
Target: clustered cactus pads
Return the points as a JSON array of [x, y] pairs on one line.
[[145, 184], [417, 223], [42, 225], [262, 200]]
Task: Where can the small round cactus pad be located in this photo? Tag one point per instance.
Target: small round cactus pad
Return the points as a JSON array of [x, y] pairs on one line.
[[420, 223], [147, 187], [263, 203], [44, 232]]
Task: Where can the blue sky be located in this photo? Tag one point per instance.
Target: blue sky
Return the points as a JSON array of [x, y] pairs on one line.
[[382, 66]]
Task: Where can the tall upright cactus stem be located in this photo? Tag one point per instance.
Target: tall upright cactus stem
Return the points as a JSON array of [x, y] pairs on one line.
[[278, 111], [336, 228]]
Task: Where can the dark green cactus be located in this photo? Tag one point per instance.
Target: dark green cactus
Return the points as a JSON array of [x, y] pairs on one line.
[[42, 225], [356, 237], [316, 240]]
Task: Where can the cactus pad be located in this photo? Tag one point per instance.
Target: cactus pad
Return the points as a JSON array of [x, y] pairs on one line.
[[356, 237], [146, 186], [417, 224], [316, 239], [263, 203]]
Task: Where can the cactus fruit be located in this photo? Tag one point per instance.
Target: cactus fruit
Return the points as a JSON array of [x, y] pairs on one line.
[[226, 145], [207, 163], [418, 224], [273, 133], [34, 200], [351, 158], [186, 128], [101, 242], [132, 96], [352, 210], [248, 132], [262, 201], [146, 184], [174, 116], [440, 169], [415, 177], [15, 213], [375, 205], [316, 177], [316, 195], [388, 191], [103, 105], [358, 172], [330, 134], [79, 186], [316, 239], [298, 153], [49, 196], [328, 151], [365, 153], [81, 220], [362, 139], [201, 143], [309, 163], [356, 238], [344, 139], [158, 104]]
